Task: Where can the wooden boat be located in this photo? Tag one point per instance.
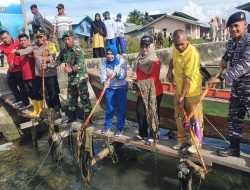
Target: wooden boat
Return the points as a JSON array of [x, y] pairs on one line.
[[215, 107]]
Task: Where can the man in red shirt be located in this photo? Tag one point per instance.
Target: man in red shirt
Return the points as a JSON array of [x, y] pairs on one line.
[[27, 64], [14, 75]]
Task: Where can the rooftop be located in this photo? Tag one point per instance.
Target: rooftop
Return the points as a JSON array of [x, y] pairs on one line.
[[245, 7]]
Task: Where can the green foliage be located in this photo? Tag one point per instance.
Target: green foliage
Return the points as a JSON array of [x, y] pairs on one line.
[[87, 51], [138, 17], [133, 44], [198, 41]]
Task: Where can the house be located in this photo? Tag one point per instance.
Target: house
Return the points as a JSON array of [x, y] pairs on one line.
[[245, 7], [167, 24], [183, 15], [131, 27], [81, 26]]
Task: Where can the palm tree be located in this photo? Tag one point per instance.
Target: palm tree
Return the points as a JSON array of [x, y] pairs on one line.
[[135, 17]]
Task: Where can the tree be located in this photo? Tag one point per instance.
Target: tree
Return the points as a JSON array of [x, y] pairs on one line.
[[146, 19], [138, 18]]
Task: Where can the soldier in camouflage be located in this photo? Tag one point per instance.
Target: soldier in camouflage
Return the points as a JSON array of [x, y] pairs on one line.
[[238, 56], [73, 58]]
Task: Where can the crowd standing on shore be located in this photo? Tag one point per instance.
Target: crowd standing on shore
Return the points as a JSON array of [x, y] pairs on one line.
[[31, 64]]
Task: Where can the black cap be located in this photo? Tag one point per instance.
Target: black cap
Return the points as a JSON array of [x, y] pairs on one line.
[[106, 13], [40, 32], [33, 6], [60, 6], [146, 40], [236, 17]]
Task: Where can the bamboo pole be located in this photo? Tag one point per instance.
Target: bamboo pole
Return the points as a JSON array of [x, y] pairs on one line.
[[105, 152], [95, 106], [187, 119]]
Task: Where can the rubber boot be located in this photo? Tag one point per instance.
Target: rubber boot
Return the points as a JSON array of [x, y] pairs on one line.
[[232, 150], [40, 107], [36, 109]]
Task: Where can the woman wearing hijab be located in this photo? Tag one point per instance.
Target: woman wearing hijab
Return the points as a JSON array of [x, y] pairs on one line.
[[148, 68], [115, 69], [98, 32]]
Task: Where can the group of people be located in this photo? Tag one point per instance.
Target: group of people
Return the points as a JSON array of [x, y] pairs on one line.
[[159, 39], [61, 23], [30, 64], [184, 68], [109, 32], [218, 30]]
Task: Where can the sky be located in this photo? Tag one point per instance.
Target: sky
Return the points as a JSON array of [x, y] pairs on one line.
[[200, 9]]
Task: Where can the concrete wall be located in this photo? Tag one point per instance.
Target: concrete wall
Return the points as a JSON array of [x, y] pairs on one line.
[[211, 53]]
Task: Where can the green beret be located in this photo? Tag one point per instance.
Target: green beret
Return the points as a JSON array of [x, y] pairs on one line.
[[68, 33]]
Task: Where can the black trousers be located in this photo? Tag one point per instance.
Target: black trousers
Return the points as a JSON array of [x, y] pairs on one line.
[[16, 85], [52, 91], [98, 52], [31, 87], [142, 117]]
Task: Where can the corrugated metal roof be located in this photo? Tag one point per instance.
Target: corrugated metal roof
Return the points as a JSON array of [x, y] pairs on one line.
[[245, 7], [132, 28], [181, 14], [172, 17]]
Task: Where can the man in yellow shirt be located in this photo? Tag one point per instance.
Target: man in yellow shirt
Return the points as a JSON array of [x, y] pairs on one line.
[[185, 68]]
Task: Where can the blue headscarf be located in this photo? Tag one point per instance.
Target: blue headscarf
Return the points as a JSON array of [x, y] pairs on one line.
[[113, 49]]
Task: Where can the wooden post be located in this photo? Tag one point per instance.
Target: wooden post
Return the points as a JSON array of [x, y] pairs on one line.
[[105, 152], [34, 134], [24, 17]]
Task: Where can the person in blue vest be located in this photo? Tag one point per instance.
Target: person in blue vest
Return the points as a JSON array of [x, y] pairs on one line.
[[113, 73]]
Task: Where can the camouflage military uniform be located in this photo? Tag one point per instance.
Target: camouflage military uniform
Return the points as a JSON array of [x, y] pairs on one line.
[[77, 80], [238, 55]]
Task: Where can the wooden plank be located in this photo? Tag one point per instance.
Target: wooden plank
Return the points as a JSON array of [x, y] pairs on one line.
[[165, 147], [60, 135], [28, 124], [5, 93]]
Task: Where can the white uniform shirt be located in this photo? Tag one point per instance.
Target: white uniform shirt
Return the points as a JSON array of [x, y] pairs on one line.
[[111, 28], [120, 29]]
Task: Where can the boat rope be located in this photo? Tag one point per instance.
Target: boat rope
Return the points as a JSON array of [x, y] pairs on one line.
[[216, 129], [40, 167], [199, 185]]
